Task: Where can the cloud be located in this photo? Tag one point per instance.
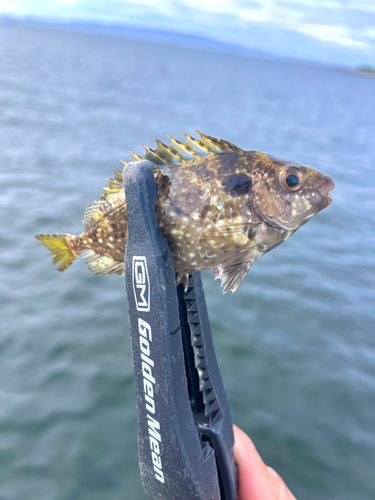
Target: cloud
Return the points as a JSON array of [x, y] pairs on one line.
[[331, 21], [333, 34], [344, 24]]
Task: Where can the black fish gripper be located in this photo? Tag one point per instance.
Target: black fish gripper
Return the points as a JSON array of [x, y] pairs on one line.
[[185, 436]]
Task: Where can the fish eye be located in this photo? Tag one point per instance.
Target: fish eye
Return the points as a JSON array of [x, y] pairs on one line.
[[290, 181]]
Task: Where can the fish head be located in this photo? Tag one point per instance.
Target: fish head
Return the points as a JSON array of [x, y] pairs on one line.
[[287, 194]]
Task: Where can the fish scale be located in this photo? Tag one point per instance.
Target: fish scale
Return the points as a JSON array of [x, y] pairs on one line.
[[219, 207]]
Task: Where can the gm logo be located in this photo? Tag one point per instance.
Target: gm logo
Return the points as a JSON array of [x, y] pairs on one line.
[[141, 284]]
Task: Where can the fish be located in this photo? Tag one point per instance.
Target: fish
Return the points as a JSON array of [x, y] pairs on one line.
[[220, 207]]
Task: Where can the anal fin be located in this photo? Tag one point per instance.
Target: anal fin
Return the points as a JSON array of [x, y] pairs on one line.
[[101, 265]]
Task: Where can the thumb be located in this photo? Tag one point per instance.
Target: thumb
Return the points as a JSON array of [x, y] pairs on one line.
[[256, 480]]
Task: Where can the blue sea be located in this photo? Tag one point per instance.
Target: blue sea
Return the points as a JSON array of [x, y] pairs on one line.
[[295, 343]]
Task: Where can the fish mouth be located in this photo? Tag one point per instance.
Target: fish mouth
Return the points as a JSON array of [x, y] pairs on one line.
[[325, 188], [328, 186]]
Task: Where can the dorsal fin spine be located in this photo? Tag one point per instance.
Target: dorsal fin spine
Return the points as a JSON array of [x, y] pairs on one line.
[[166, 153], [153, 156], [211, 144], [118, 174], [135, 157], [194, 145], [114, 184], [109, 190], [179, 149]]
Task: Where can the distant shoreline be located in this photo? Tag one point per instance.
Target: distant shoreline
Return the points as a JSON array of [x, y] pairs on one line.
[[366, 71], [170, 38]]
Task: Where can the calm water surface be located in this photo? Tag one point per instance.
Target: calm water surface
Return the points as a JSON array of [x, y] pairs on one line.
[[296, 343]]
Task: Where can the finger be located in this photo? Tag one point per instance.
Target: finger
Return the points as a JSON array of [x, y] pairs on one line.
[[253, 475], [256, 480], [284, 492]]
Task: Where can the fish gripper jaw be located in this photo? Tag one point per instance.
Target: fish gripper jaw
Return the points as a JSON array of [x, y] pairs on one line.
[[185, 436]]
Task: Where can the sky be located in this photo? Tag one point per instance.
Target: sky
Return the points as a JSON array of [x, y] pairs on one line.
[[332, 31]]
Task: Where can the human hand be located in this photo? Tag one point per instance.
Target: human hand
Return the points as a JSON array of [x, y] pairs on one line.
[[256, 480]]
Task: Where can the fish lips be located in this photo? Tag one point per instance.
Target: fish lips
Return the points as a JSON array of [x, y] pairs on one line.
[[329, 186], [324, 191], [326, 199]]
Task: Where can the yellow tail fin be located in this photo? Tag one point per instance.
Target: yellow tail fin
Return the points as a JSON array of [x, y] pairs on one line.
[[60, 248]]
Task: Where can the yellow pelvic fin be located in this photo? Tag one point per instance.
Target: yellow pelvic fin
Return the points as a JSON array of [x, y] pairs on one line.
[[60, 248]]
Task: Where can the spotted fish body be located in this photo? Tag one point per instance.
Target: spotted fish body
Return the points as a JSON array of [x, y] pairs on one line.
[[218, 206]]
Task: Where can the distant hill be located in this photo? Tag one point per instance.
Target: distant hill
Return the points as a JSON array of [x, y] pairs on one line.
[[122, 31], [304, 49]]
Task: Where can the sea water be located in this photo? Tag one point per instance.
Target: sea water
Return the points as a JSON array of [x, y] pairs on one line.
[[295, 343]]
